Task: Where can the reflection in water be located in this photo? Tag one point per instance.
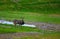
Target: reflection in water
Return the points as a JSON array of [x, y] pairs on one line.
[[8, 22]]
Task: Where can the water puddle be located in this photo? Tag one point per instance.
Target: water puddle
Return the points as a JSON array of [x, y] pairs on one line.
[[8, 22]]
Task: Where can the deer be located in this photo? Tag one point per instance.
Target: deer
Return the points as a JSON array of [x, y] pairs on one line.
[[20, 22]]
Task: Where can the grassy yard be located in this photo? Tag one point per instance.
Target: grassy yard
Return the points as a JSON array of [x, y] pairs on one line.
[[12, 29], [55, 35], [30, 16], [32, 10], [46, 6], [45, 34]]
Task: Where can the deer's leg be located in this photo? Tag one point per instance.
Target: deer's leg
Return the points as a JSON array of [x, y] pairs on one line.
[[14, 23], [19, 24]]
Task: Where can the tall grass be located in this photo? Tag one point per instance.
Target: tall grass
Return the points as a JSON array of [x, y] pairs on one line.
[[46, 6]]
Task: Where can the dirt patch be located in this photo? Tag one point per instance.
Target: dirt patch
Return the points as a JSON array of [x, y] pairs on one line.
[[46, 26], [55, 15], [17, 35], [34, 14]]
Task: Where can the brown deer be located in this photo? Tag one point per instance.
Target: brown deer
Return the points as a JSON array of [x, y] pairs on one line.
[[20, 22]]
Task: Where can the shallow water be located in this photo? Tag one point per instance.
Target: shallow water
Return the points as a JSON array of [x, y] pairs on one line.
[[8, 22]]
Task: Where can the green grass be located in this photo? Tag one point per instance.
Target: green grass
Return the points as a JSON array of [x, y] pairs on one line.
[[55, 35], [12, 29], [30, 16], [46, 6], [47, 11], [42, 37]]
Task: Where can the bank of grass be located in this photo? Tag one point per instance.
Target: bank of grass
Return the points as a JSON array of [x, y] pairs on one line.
[[30, 16], [12, 29], [42, 37], [47, 6], [55, 35]]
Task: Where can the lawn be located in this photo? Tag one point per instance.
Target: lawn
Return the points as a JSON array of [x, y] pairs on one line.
[[30, 16], [46, 11], [45, 34], [12, 29], [52, 35]]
